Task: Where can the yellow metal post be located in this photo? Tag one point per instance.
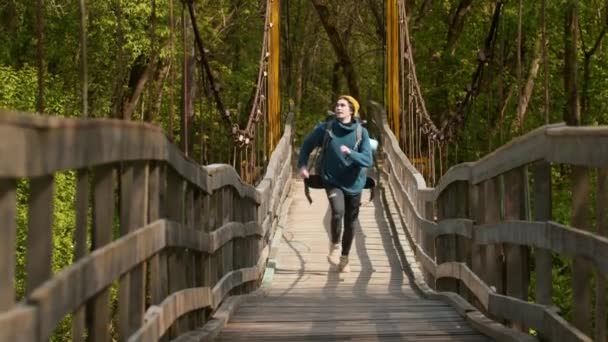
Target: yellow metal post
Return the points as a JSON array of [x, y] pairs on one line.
[[274, 94], [392, 61]]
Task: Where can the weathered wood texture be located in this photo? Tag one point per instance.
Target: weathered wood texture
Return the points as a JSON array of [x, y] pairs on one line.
[[496, 268], [173, 252], [308, 300]]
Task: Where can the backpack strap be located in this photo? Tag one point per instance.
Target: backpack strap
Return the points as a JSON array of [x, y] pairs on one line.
[[326, 137], [328, 132], [359, 136]]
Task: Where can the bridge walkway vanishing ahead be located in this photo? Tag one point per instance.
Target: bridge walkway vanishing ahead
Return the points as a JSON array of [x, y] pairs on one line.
[[308, 300]]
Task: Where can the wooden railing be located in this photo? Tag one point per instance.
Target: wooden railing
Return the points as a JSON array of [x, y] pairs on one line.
[[188, 235], [472, 234]]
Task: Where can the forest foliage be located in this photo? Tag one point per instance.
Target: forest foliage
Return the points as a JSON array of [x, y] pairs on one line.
[[134, 41]]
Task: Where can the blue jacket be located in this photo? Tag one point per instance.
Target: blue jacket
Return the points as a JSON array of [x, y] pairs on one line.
[[347, 172]]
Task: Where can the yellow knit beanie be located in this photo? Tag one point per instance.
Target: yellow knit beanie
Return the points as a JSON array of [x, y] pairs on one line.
[[352, 102]]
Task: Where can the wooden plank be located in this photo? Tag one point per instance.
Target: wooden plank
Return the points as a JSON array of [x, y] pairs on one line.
[[80, 243], [207, 226], [543, 212], [220, 318], [227, 213], [361, 304], [517, 274], [103, 217], [176, 258], [40, 233], [581, 269], [197, 212], [159, 275], [214, 223], [462, 272], [477, 252], [8, 230], [601, 302], [172, 308], [23, 136], [137, 217], [489, 212], [126, 186], [190, 254], [19, 324], [558, 329], [80, 282], [558, 238], [449, 205], [530, 314], [239, 245]]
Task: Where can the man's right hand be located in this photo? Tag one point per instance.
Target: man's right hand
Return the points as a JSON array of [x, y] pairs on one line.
[[304, 173]]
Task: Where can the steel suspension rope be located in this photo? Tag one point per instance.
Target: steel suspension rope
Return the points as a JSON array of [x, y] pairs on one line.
[[419, 121], [246, 154], [205, 66]]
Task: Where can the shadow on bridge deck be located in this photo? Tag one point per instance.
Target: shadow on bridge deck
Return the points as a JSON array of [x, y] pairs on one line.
[[309, 300]]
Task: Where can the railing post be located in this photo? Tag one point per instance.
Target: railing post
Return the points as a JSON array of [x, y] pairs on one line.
[[159, 274], [581, 268], [39, 233], [428, 243], [542, 212], [208, 222], [176, 259], [98, 311], [239, 245], [8, 229], [199, 258], [225, 251], [452, 203], [214, 223], [601, 306], [39, 237], [191, 256], [80, 243], [132, 216], [516, 257], [487, 261]]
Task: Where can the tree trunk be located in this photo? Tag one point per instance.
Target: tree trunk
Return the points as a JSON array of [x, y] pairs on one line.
[[335, 81], [425, 8], [581, 270], [585, 99], [572, 112], [544, 43], [380, 24], [456, 20], [329, 20], [188, 77], [40, 52], [84, 92], [526, 93], [118, 92], [156, 91], [130, 105]]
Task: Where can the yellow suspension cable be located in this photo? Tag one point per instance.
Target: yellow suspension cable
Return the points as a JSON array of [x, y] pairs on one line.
[[274, 95], [392, 61]]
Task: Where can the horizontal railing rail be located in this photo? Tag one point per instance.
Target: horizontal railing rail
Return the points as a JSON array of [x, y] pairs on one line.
[[159, 241], [486, 223]]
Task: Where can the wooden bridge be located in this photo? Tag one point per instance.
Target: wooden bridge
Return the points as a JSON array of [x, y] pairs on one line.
[[195, 242], [165, 248]]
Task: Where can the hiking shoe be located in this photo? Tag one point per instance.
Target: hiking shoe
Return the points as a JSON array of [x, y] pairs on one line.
[[343, 266], [334, 253]]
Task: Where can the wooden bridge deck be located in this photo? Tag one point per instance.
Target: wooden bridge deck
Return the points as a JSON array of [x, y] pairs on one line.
[[308, 300]]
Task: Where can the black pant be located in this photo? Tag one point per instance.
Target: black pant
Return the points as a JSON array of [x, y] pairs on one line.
[[343, 207]]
